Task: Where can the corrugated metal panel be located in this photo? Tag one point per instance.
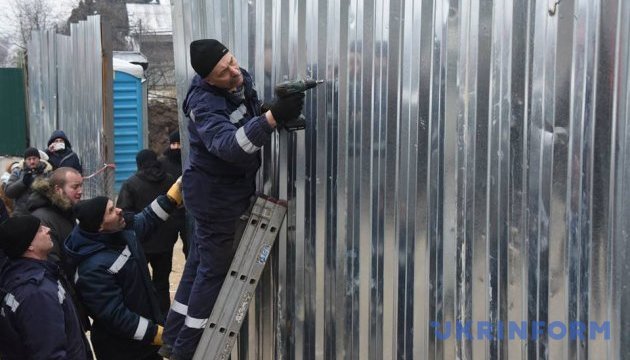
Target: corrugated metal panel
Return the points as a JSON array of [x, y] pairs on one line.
[[466, 161], [68, 85], [13, 114], [42, 87], [128, 125]]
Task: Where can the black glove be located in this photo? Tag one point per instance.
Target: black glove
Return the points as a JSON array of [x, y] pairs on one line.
[[288, 108], [264, 107], [130, 218], [27, 178]]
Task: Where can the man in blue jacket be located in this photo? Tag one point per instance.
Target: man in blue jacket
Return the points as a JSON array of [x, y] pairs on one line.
[[37, 318], [135, 194], [112, 277], [227, 129]]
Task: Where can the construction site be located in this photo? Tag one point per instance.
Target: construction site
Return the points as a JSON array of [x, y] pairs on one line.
[[455, 188]]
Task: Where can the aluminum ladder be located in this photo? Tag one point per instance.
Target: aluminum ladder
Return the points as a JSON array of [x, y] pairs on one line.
[[239, 286]]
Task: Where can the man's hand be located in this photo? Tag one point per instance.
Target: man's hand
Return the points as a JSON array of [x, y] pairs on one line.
[[288, 108], [175, 193], [27, 178]]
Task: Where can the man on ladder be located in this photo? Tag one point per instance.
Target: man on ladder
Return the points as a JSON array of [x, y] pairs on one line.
[[227, 129]]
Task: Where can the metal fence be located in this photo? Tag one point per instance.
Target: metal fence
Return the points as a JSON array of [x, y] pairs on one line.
[[69, 88], [466, 161]]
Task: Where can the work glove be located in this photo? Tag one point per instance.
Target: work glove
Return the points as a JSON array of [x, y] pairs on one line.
[[175, 193], [157, 340], [286, 109], [27, 178]]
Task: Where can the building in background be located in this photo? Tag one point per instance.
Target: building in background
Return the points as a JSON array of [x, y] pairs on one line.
[[151, 33]]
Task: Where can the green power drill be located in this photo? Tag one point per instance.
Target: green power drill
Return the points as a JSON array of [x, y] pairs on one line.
[[292, 87]]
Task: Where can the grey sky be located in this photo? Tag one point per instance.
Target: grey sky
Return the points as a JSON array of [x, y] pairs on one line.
[[61, 10]]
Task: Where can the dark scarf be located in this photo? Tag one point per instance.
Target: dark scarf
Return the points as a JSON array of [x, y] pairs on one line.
[[174, 156]]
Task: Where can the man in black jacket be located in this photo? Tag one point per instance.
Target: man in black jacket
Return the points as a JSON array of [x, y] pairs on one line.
[[171, 159], [60, 152], [172, 163], [112, 278], [136, 193], [51, 201]]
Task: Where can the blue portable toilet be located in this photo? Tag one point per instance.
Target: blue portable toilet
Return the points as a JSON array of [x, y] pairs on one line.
[[130, 117]]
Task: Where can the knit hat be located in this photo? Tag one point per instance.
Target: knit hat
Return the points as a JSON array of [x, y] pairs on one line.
[[205, 54], [31, 152], [17, 234], [90, 213], [146, 159], [173, 137]]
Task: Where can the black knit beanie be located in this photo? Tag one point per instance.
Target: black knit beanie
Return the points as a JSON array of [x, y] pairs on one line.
[[90, 213], [173, 137], [31, 152], [17, 234], [205, 54], [146, 159]]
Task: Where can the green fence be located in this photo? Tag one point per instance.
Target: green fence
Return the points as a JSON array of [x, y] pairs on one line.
[[13, 114]]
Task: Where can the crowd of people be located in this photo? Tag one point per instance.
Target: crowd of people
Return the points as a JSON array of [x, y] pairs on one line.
[[70, 266]]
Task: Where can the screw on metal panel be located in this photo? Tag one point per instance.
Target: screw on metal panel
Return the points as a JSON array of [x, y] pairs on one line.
[[553, 8]]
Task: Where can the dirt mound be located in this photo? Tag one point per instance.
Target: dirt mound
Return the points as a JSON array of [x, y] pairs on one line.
[[162, 121]]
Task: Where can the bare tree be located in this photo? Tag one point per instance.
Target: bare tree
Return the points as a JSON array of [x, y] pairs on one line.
[[29, 15], [5, 47], [23, 17]]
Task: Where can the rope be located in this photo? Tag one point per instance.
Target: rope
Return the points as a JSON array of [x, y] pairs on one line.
[[105, 166]]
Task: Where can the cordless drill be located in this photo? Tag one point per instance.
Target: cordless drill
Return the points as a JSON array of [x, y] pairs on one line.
[[292, 87]]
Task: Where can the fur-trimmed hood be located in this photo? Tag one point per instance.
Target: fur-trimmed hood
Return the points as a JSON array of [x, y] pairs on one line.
[[43, 167], [44, 194]]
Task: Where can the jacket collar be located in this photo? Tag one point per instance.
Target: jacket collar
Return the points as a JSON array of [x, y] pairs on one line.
[[23, 270]]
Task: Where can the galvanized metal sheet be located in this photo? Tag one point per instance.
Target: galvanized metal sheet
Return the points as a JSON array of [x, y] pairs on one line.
[[465, 161], [66, 87]]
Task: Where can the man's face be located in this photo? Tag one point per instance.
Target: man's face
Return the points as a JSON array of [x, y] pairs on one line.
[[42, 243], [112, 219], [73, 188], [226, 74], [31, 162], [175, 146]]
